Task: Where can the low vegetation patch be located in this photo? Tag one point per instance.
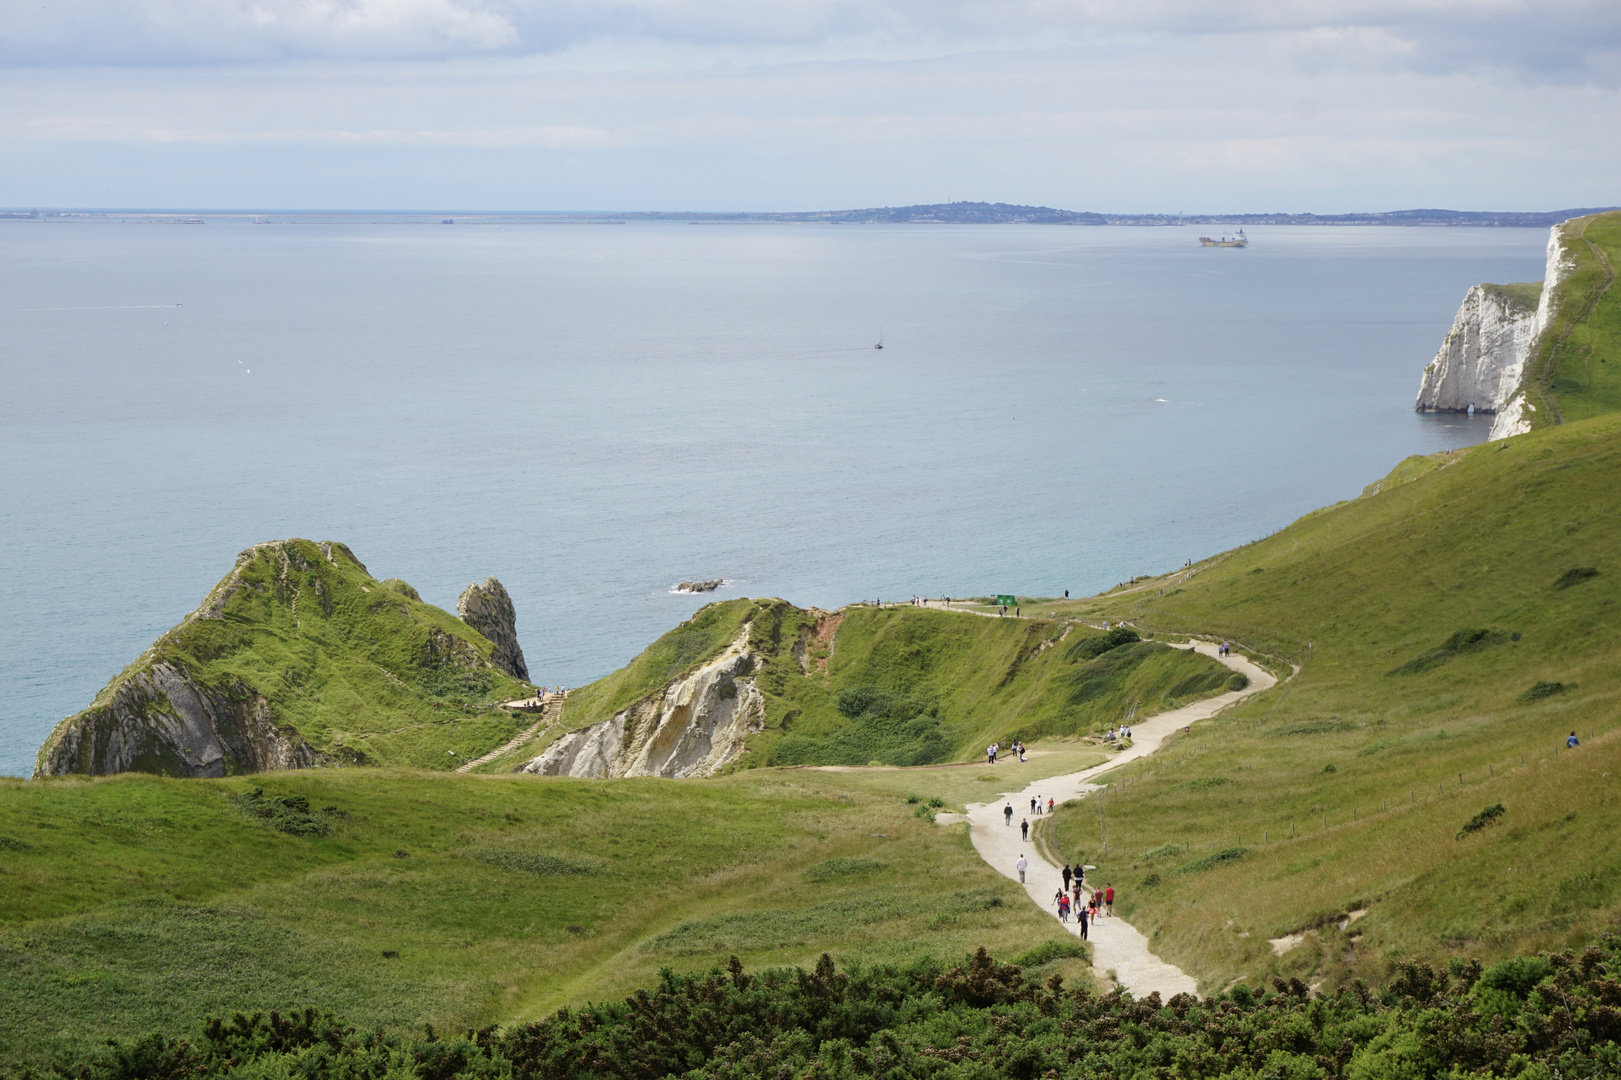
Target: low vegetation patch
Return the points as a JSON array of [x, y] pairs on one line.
[[1092, 646], [8, 843], [1049, 951], [1210, 862], [1459, 644], [1200, 784], [1311, 727], [1489, 816], [843, 867], [287, 813], [537, 863], [1541, 689], [1164, 851], [1575, 576]]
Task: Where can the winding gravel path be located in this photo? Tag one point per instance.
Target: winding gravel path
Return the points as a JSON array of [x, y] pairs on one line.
[[1116, 945]]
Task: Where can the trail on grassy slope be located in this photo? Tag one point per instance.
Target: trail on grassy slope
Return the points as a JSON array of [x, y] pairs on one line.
[[1116, 945], [551, 709]]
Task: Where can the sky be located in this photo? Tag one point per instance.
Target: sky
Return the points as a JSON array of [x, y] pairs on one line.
[[1112, 105]]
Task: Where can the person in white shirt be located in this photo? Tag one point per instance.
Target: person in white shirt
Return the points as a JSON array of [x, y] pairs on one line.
[[1021, 866]]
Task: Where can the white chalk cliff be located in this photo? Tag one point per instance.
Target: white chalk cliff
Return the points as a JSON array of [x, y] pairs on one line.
[[1514, 417], [695, 726], [1480, 362]]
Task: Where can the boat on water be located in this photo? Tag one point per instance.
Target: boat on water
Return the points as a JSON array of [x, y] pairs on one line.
[[1226, 241], [880, 344]]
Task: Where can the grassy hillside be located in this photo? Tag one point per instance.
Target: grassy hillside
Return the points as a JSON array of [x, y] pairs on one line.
[[140, 903], [1454, 625], [1576, 371], [361, 669], [908, 686]]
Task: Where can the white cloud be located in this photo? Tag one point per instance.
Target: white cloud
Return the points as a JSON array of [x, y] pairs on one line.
[[1551, 39]]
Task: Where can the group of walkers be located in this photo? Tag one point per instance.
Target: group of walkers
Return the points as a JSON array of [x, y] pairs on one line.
[[1074, 899], [1224, 649], [1037, 808], [996, 748]]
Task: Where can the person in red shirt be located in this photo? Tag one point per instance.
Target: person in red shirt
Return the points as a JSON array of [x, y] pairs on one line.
[[1108, 899]]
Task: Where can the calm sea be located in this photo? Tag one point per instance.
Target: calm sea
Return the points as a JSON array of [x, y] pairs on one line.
[[595, 412]]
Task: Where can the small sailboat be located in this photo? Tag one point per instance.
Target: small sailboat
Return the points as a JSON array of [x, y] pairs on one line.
[[880, 344]]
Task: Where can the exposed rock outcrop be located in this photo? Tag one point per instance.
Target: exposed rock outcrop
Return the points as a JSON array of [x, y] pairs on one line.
[[1514, 418], [1479, 363], [695, 726], [161, 721], [488, 609], [700, 586]]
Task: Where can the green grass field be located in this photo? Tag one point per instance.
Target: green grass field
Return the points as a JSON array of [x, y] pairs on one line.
[[1454, 627], [138, 903]]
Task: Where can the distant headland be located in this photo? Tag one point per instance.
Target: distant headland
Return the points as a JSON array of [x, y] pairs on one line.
[[950, 213]]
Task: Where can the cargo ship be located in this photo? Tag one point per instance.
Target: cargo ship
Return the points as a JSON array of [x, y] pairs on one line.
[[1226, 241]]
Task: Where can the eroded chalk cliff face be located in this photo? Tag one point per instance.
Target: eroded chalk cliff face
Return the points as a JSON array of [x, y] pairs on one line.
[[694, 726], [1514, 418], [161, 721], [1479, 364], [488, 609]]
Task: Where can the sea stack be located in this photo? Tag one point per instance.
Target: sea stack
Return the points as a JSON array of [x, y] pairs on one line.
[[488, 609]]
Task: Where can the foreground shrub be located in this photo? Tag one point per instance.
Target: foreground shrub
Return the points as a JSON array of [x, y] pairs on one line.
[[1550, 1016]]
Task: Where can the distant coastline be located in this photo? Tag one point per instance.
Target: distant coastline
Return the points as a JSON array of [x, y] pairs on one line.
[[954, 213]]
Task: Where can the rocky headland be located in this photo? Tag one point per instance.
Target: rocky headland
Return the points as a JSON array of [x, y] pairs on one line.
[[300, 658]]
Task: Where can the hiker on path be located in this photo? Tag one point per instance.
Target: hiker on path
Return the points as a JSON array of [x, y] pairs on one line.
[[1572, 742], [1080, 875], [1032, 804], [1021, 866], [1021, 752], [1108, 899], [1049, 804], [1066, 875], [1080, 917], [1007, 814], [1062, 900], [1024, 828]]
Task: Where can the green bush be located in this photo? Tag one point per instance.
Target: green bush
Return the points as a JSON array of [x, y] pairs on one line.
[[287, 813], [1486, 817], [1541, 689], [1459, 644], [1093, 646], [1210, 862], [1575, 576]]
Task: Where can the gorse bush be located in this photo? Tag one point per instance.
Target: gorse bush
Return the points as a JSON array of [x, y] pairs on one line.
[[1552, 1016]]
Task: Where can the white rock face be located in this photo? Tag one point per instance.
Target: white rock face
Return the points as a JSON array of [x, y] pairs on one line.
[[693, 727], [1480, 362], [1514, 418]]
